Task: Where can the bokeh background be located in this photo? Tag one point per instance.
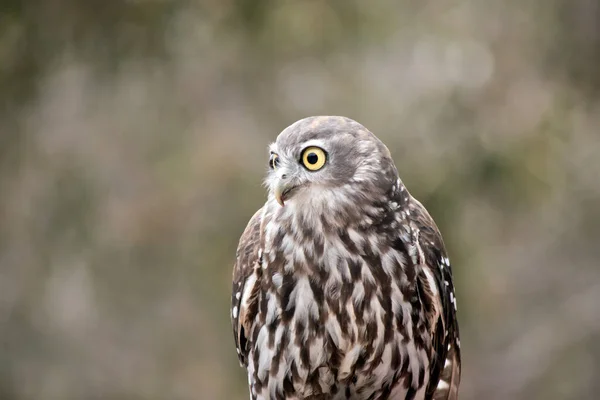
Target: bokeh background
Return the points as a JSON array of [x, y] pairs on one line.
[[133, 142]]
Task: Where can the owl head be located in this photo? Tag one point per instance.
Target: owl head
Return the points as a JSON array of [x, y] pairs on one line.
[[328, 161]]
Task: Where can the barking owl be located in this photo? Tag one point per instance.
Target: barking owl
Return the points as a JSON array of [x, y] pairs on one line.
[[342, 288]]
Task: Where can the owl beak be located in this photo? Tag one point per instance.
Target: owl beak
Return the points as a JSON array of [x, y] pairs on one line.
[[283, 188], [280, 191]]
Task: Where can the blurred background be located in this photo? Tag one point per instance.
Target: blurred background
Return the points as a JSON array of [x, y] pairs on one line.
[[133, 140]]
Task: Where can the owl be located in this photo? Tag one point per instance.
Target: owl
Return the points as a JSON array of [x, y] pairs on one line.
[[342, 288]]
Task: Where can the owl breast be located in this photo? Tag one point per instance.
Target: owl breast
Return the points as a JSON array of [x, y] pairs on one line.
[[338, 316]]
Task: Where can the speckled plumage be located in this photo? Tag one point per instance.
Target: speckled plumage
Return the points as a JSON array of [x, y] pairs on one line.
[[345, 291]]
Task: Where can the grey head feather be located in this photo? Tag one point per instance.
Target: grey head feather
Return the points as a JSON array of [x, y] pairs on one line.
[[359, 167]]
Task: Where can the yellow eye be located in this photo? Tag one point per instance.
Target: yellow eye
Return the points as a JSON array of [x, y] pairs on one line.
[[313, 158], [274, 161]]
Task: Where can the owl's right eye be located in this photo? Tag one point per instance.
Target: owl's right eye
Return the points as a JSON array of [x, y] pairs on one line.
[[274, 161]]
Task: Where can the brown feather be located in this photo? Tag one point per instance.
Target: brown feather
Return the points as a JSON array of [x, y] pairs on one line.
[[247, 259], [445, 368], [450, 378]]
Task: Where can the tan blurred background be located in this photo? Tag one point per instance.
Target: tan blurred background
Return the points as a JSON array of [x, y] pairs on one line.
[[133, 142]]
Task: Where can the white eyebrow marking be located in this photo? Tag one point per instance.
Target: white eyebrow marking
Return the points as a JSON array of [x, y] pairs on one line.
[[314, 142]]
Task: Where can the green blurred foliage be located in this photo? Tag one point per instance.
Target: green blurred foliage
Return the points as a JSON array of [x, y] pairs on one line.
[[133, 142]]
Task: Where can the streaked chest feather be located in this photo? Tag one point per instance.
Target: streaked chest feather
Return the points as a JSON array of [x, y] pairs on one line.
[[338, 315]]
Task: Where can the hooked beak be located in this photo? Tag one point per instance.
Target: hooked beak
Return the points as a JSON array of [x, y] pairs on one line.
[[282, 189]]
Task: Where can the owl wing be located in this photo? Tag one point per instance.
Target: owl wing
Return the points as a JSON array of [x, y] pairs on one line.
[[437, 291], [246, 283]]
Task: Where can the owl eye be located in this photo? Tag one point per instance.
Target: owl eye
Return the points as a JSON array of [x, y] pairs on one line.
[[313, 158], [274, 161]]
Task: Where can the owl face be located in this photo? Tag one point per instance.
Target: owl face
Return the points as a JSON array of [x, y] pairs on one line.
[[320, 156]]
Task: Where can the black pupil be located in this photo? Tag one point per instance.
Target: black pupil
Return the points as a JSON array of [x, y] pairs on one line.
[[312, 158], [274, 162]]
